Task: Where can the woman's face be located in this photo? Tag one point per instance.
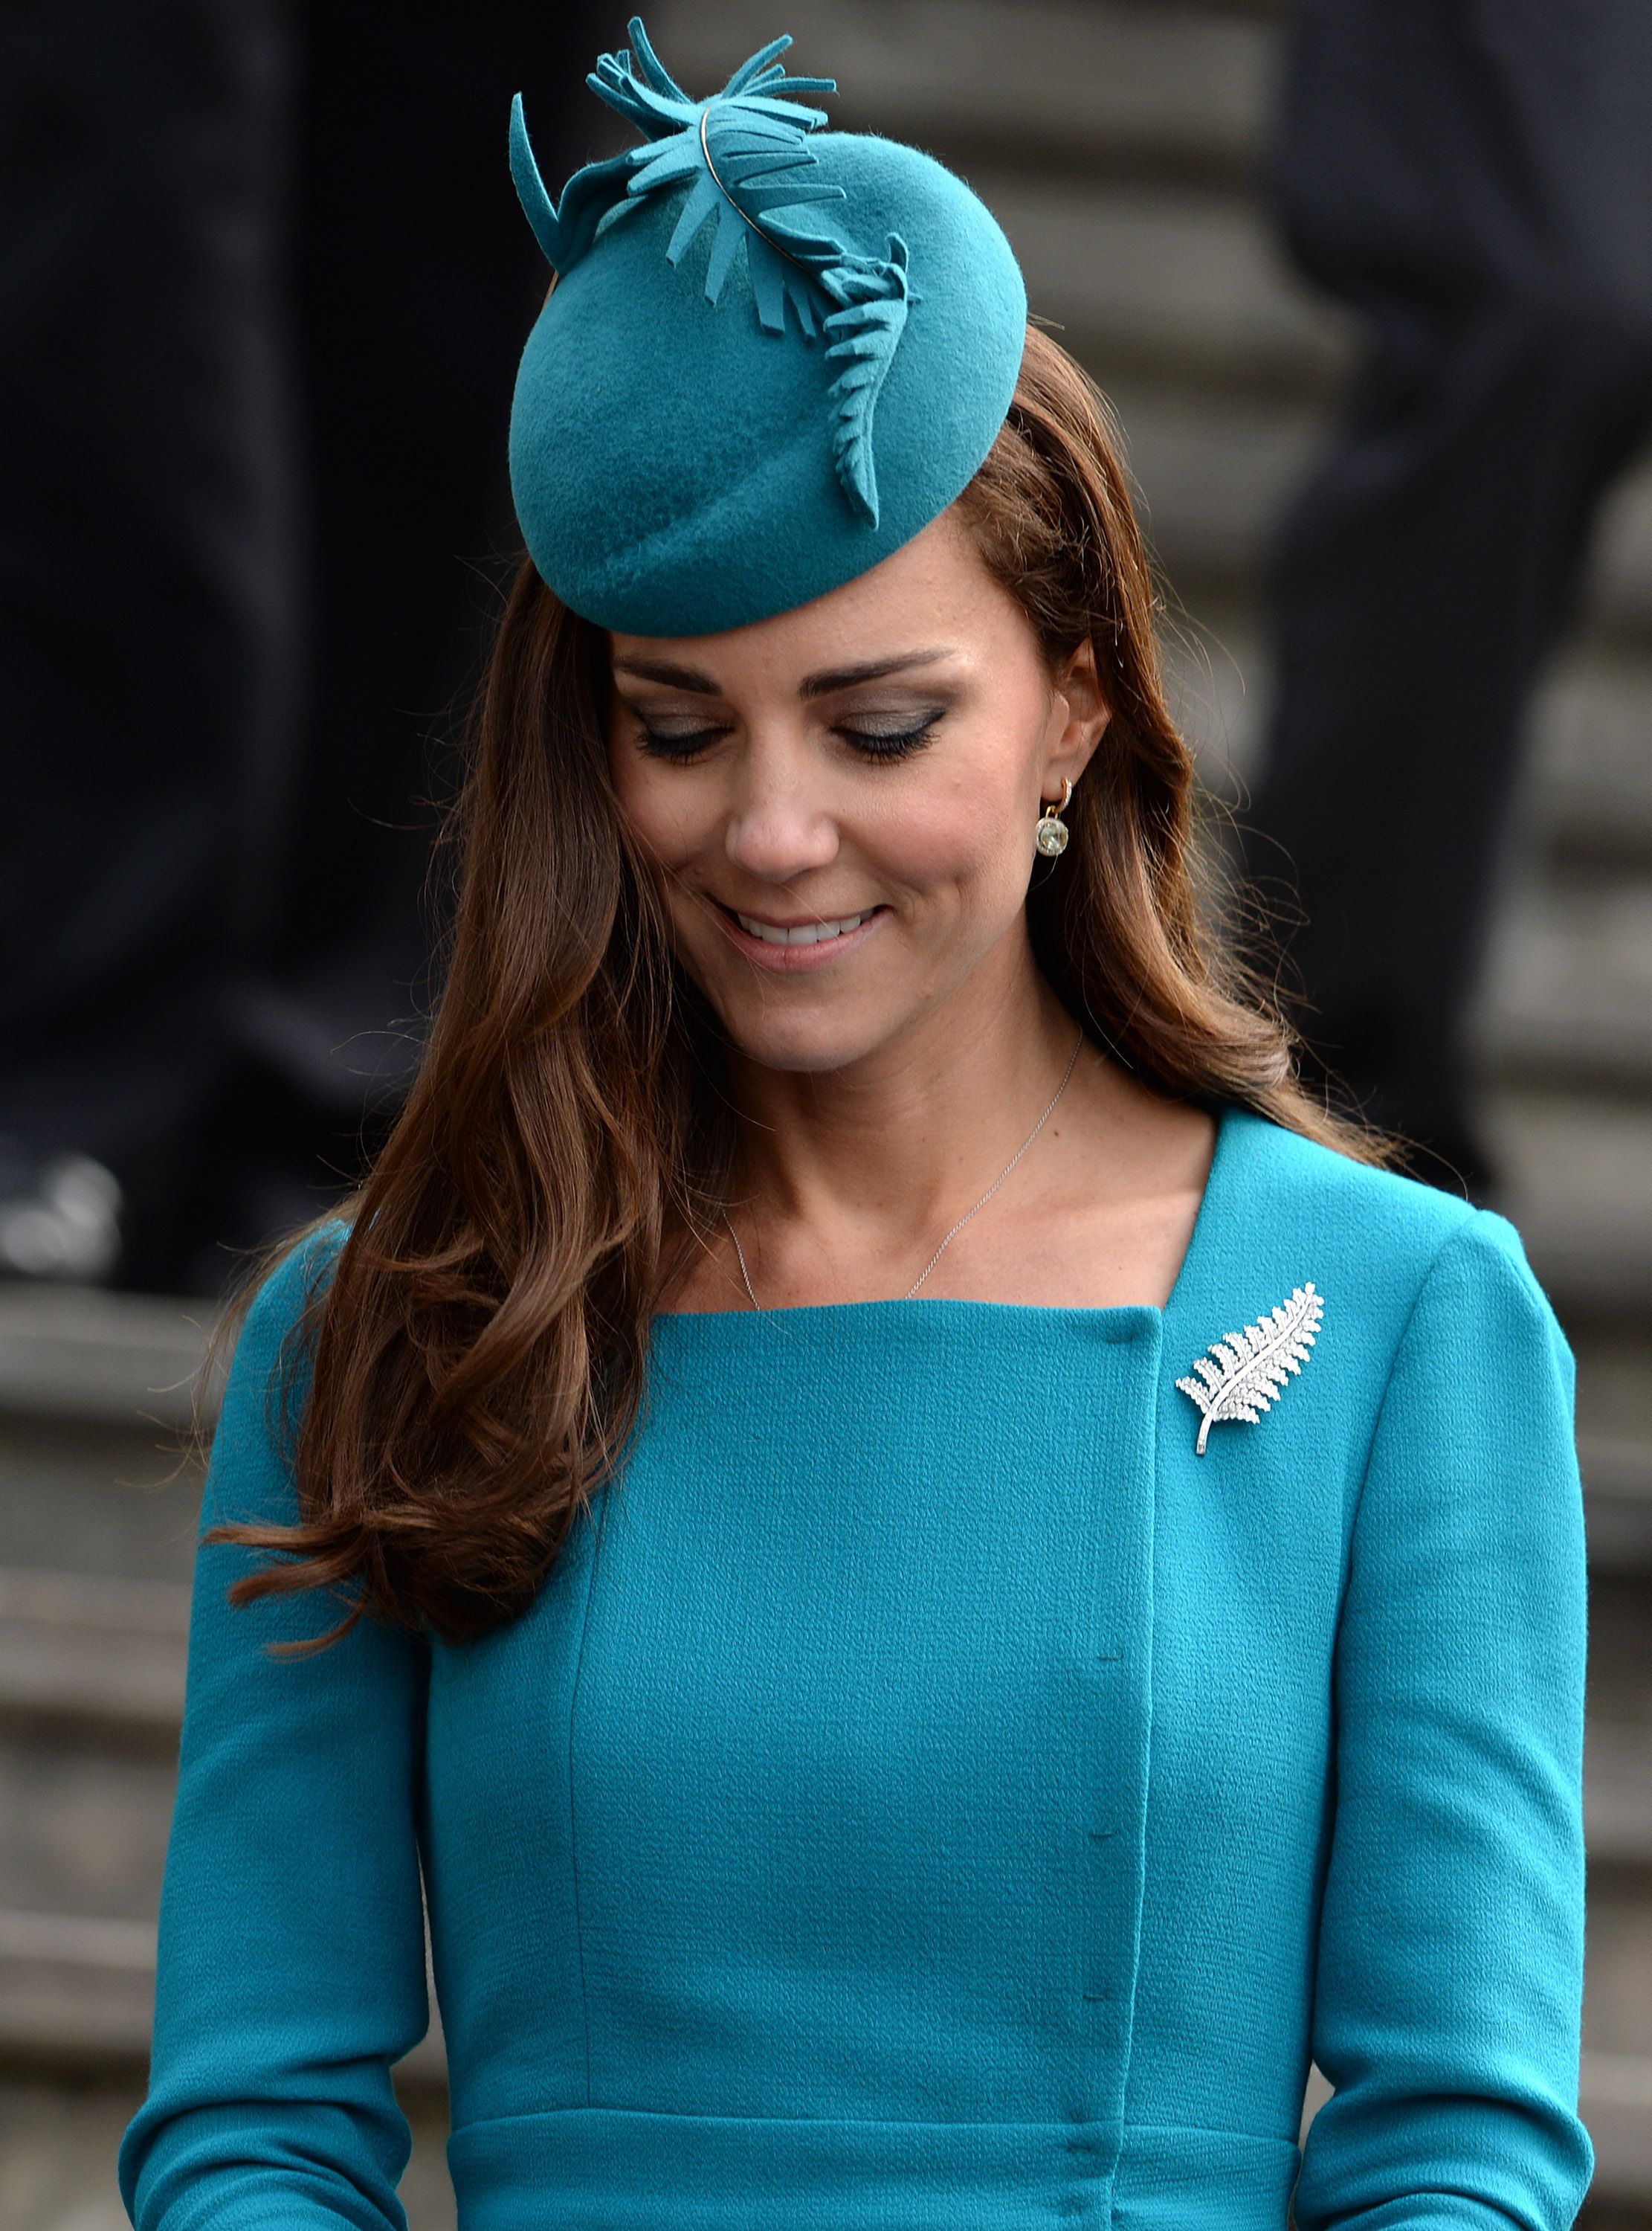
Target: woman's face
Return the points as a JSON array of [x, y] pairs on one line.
[[843, 796]]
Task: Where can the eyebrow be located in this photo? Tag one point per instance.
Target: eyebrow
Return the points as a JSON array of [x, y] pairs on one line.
[[812, 685]]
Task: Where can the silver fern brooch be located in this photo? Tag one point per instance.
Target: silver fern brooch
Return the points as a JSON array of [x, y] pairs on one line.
[[1245, 1372]]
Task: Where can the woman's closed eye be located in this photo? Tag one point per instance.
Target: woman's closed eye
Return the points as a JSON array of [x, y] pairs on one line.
[[894, 736], [677, 743]]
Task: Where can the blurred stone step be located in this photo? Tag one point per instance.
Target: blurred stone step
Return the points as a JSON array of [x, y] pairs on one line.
[[1216, 684], [1588, 805], [98, 1474], [84, 1829], [1167, 281], [1618, 1984], [1214, 470], [1590, 801], [1210, 472], [87, 1650], [96, 1500], [1589, 761], [1615, 2099], [79, 1353], [1618, 1501], [1619, 1661], [78, 1992], [1618, 1796], [1578, 1185], [1094, 88], [1568, 995], [1617, 597], [1615, 1403], [75, 1990]]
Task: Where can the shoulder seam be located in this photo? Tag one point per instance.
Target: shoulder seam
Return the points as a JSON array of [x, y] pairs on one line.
[[1447, 1241]]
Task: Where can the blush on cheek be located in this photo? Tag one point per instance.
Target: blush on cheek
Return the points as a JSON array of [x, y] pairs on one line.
[[963, 840]]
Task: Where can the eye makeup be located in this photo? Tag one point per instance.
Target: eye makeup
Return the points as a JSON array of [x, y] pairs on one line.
[[891, 736], [875, 736]]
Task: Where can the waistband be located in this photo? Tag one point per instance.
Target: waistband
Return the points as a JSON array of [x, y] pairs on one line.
[[605, 2169]]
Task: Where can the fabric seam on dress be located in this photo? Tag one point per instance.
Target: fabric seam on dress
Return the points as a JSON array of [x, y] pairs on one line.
[[1423, 1282], [1155, 1486], [871, 2122], [1214, 2131], [573, 1825], [1053, 2123]]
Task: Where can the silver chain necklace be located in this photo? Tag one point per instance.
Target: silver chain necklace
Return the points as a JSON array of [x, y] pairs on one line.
[[741, 1252]]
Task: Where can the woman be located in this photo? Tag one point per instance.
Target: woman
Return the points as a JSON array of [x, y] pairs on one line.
[[901, 1714]]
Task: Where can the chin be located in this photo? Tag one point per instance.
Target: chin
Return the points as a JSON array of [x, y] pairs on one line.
[[804, 1044]]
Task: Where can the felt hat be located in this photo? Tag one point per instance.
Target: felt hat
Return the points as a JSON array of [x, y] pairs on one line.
[[771, 354]]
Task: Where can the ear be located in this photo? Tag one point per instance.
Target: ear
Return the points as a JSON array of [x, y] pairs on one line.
[[1084, 713]]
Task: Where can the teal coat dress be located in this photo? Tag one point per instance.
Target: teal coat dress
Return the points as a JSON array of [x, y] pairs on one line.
[[928, 1796]]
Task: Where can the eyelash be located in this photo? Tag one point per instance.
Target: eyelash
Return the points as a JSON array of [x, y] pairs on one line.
[[899, 744]]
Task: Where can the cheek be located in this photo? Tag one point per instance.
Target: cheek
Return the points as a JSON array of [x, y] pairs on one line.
[[944, 842], [962, 832], [664, 809]]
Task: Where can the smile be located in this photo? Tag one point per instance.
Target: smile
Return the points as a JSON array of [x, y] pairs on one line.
[[791, 947], [803, 932]]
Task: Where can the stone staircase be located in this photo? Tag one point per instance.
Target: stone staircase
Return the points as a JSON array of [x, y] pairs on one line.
[[98, 1500], [1116, 140]]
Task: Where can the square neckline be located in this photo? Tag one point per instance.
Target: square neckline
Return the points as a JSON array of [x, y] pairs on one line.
[[1215, 1177]]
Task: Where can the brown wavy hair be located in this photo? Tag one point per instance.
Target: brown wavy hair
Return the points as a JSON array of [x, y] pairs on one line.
[[475, 1363]]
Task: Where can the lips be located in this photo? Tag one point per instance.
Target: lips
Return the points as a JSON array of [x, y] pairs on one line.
[[803, 932], [793, 948]]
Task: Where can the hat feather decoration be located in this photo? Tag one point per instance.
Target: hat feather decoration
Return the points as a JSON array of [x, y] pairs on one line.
[[744, 156]]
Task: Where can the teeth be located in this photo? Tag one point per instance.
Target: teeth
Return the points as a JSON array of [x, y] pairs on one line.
[[806, 933]]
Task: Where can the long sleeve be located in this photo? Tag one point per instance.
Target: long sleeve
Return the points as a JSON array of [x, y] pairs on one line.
[[1449, 1973], [292, 1959]]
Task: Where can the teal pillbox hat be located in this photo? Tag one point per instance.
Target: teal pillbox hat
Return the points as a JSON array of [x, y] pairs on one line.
[[770, 355]]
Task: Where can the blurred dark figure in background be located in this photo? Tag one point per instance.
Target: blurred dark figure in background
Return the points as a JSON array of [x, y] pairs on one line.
[[262, 288], [1474, 178]]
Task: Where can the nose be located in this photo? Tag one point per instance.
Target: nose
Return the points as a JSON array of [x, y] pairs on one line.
[[779, 824]]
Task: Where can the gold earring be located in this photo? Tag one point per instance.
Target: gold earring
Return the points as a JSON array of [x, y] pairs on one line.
[[1052, 832]]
